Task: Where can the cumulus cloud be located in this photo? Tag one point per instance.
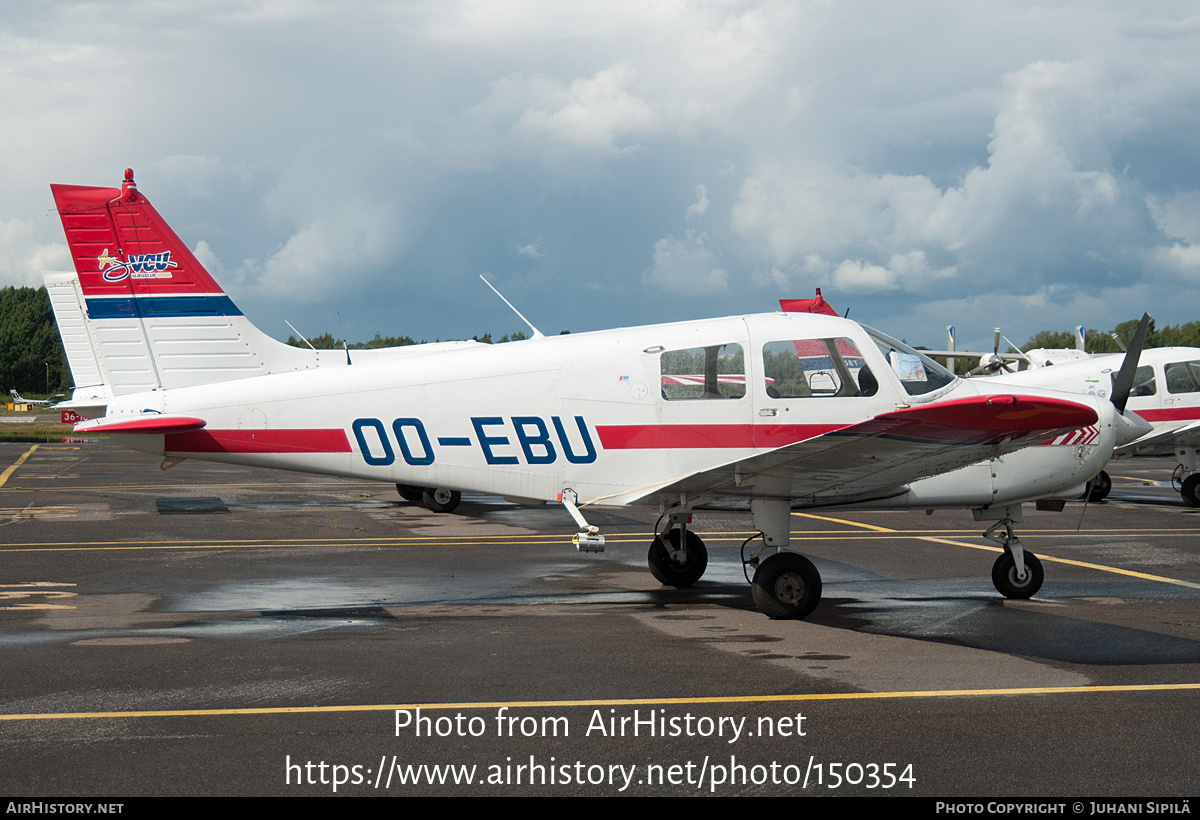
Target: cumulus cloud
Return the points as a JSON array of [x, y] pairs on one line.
[[595, 113], [686, 267], [317, 260], [907, 271], [1048, 201], [916, 151], [23, 257], [697, 208]]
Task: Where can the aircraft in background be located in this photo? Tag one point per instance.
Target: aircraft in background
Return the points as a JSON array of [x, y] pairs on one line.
[[17, 399], [1165, 392], [769, 412]]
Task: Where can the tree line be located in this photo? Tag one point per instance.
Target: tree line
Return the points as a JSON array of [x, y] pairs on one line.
[[1181, 335], [32, 358], [31, 352]]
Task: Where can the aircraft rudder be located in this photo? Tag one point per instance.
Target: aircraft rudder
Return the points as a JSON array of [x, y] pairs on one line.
[[124, 250]]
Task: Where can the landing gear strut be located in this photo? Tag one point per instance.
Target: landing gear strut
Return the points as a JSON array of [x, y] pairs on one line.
[[786, 585], [1016, 573], [677, 558]]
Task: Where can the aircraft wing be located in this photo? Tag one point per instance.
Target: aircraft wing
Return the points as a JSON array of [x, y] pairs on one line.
[[877, 458], [1186, 436]]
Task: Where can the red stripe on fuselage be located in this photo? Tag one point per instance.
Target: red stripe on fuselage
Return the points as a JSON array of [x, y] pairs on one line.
[[258, 441], [704, 436], [1170, 414]]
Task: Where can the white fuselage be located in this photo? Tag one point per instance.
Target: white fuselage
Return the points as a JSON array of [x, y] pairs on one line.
[[590, 412], [1166, 392]]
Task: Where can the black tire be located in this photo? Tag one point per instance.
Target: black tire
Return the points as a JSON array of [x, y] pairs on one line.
[[670, 572], [410, 493], [786, 586], [440, 499], [1100, 487], [1190, 491], [1004, 576]]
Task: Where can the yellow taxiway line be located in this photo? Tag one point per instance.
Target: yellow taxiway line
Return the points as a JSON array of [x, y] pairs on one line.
[[1101, 567], [4, 475], [570, 704]]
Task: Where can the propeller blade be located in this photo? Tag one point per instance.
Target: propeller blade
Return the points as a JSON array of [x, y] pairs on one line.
[[1123, 384], [996, 342]]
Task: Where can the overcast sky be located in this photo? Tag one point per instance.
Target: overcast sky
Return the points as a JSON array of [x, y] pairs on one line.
[[354, 167]]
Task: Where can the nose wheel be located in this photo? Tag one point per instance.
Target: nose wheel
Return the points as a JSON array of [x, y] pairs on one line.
[[1099, 487], [1007, 582], [1016, 574]]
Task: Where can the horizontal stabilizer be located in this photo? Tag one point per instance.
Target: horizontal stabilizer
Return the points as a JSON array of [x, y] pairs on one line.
[[149, 424]]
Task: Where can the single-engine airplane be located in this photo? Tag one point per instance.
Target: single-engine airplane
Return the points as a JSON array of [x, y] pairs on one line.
[[768, 412], [18, 399], [1165, 392]]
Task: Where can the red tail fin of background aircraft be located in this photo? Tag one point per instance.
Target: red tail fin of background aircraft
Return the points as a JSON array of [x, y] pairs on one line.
[[815, 305]]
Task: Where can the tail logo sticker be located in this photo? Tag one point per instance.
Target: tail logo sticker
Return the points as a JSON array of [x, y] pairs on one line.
[[139, 266]]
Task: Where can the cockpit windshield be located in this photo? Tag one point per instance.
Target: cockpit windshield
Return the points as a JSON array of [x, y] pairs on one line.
[[917, 372]]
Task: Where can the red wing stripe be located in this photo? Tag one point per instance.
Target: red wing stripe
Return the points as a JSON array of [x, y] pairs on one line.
[[258, 441]]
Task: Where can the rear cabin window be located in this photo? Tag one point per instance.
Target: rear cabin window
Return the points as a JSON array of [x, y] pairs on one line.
[[816, 368], [714, 372], [1182, 377]]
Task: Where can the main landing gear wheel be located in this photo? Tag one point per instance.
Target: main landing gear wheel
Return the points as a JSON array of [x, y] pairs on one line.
[[674, 573], [1191, 490], [786, 585], [440, 499], [1004, 576], [1100, 487], [410, 493]]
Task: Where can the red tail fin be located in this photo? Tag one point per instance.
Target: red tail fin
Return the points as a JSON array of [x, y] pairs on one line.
[[122, 248]]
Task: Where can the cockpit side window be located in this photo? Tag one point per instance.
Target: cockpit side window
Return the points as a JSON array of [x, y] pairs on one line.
[[917, 372], [816, 368], [713, 372], [1182, 377], [1143, 381]]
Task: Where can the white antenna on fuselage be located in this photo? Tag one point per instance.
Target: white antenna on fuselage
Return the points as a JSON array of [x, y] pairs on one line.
[[537, 334], [298, 333]]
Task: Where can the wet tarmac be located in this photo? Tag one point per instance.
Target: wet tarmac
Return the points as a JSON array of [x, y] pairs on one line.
[[212, 630]]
